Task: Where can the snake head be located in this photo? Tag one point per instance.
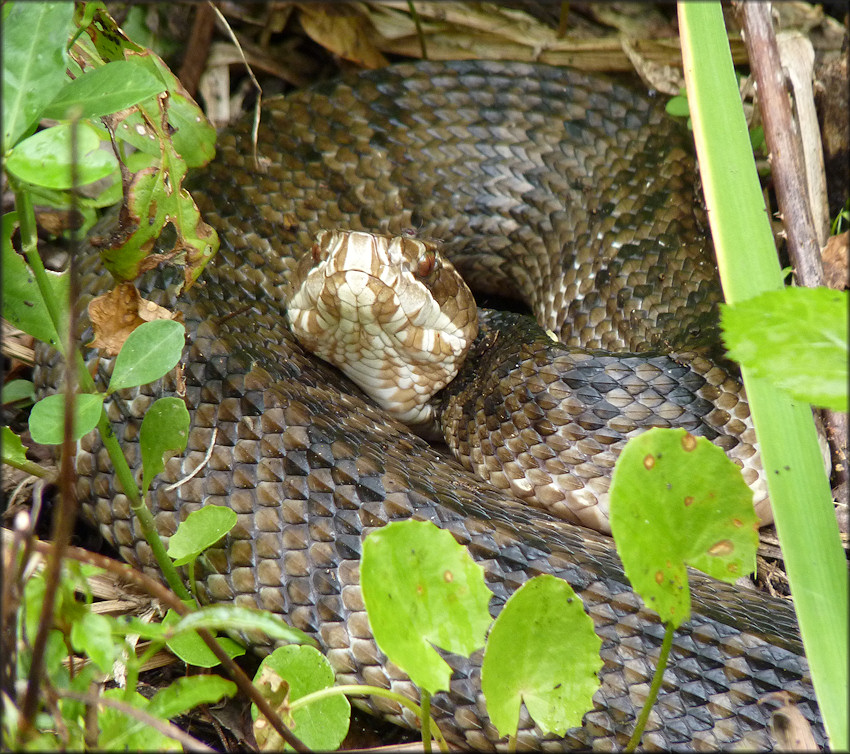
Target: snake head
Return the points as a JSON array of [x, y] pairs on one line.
[[389, 311]]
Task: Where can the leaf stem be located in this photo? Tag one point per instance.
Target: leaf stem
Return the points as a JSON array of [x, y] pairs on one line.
[[666, 644], [30, 467], [426, 720], [29, 245]]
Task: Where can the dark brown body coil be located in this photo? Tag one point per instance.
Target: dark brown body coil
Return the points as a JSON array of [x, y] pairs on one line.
[[469, 153]]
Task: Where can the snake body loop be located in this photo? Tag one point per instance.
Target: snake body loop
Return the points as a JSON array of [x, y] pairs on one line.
[[488, 158]]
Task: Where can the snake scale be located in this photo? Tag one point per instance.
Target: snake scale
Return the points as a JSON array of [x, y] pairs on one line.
[[490, 158]]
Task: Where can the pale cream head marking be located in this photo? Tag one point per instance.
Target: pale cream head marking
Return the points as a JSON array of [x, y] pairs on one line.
[[389, 312]]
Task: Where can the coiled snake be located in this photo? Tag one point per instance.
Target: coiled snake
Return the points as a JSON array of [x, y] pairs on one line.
[[507, 165]]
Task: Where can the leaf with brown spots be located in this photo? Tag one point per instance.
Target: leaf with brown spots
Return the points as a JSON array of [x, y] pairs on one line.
[[677, 501]]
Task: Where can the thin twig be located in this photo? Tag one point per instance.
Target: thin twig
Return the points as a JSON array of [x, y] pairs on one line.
[[163, 726], [785, 158], [788, 174], [204, 462], [66, 512], [256, 127]]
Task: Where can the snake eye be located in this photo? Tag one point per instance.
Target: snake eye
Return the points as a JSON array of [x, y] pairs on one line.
[[425, 265]]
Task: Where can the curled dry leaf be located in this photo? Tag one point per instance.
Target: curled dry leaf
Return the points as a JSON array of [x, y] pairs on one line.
[[343, 30], [116, 314], [276, 692], [666, 79]]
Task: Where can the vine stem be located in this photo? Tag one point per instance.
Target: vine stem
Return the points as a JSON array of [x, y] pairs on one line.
[[356, 690], [653, 689], [124, 475]]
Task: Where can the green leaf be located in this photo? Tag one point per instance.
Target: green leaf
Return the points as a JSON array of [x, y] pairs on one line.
[[201, 529], [47, 418], [45, 158], [13, 448], [104, 90], [150, 352], [23, 305], [18, 391], [757, 139], [795, 337], [92, 634], [120, 732], [233, 618], [194, 136], [676, 500], [184, 694], [678, 106], [321, 725], [437, 596], [34, 62], [542, 650], [165, 429], [192, 649]]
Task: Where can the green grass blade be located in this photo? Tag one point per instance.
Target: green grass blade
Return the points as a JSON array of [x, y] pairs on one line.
[[799, 489]]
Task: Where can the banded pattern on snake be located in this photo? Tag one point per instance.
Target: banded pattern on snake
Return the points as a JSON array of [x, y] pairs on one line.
[[311, 466]]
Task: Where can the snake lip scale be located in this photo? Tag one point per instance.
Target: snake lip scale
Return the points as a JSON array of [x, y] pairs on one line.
[[487, 158]]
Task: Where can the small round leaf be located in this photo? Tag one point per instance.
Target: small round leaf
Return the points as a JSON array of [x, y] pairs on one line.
[[436, 595], [542, 650], [677, 500], [45, 158], [321, 725]]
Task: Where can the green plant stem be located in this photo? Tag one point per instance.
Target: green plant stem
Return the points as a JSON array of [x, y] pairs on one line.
[[30, 467], [666, 644], [29, 243], [355, 690], [138, 506], [426, 720], [799, 489]]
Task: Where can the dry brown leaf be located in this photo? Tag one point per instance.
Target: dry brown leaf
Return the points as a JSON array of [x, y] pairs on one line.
[[343, 31], [276, 692], [836, 262], [455, 31], [664, 78], [116, 314], [788, 725]]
